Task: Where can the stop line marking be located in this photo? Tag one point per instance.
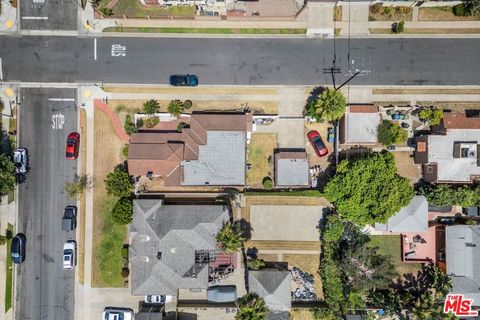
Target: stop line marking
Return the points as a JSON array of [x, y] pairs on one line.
[[61, 99], [35, 18]]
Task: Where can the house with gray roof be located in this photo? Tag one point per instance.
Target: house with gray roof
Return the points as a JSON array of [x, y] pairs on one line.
[[463, 258], [291, 169], [274, 287], [171, 245], [412, 218]]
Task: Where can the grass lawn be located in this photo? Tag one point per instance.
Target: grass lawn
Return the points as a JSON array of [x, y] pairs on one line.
[[9, 279], [206, 30], [108, 238], [390, 246], [259, 151], [444, 13], [134, 9]]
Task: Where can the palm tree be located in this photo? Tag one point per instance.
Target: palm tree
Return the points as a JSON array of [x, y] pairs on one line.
[[329, 106], [175, 107], [230, 237], [251, 307]]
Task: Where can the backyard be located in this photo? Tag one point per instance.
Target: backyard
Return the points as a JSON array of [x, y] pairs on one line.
[[108, 238], [391, 246], [260, 157]]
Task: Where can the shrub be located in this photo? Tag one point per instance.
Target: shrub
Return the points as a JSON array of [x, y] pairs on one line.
[[118, 183], [267, 183], [125, 151], [129, 126], [401, 26], [125, 272], [389, 133], [3, 240], [7, 174], [255, 264], [175, 108], [151, 106], [78, 185], [187, 104], [151, 122], [387, 10], [122, 211], [459, 10], [125, 251], [376, 8], [433, 116], [180, 126]]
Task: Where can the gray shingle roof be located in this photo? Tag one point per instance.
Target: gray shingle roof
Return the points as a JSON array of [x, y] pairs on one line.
[[175, 232], [273, 286], [220, 162], [463, 259], [413, 217]]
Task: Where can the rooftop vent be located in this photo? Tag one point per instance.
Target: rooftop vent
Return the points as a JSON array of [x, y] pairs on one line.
[[159, 255]]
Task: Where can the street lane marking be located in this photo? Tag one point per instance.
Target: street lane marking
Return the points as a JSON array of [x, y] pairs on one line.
[[119, 50], [58, 119], [95, 49], [1, 69], [61, 99], [35, 18]]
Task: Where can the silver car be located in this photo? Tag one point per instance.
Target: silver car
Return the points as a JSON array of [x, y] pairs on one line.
[[20, 159]]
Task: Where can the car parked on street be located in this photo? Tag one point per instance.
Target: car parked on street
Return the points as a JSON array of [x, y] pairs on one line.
[[115, 313], [17, 248], [184, 80], [20, 159], [73, 145], [317, 143], [69, 219], [158, 298], [69, 254]]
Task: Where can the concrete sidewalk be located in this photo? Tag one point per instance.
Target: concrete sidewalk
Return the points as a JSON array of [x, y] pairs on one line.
[[8, 17]]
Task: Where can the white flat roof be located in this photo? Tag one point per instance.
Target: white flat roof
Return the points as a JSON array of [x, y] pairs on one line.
[[361, 127], [440, 151]]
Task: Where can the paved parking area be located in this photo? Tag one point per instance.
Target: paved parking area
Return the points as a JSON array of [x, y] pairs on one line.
[[290, 132], [298, 223], [49, 14]]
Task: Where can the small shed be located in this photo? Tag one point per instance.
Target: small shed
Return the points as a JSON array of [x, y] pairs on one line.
[[291, 169]]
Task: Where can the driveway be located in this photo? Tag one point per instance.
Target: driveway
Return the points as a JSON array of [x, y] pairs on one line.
[[290, 132]]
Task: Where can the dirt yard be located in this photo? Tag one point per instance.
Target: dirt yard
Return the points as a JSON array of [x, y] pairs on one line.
[[257, 107], [453, 105], [378, 12], [406, 167], [444, 13], [81, 208], [260, 156]]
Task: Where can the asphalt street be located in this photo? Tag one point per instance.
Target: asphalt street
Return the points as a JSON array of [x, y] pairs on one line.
[[241, 61], [49, 14], [43, 289]]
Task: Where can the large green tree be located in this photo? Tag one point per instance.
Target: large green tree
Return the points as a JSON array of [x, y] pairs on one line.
[[433, 116], [445, 195], [389, 133], [7, 174], [329, 106], [118, 182], [230, 237], [471, 7], [251, 307], [368, 190]]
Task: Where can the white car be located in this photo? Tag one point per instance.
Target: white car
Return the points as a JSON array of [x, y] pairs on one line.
[[69, 254], [114, 313], [20, 159], [158, 298]]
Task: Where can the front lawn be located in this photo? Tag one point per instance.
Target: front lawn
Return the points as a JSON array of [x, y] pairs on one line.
[[134, 9], [444, 13], [9, 277], [260, 157], [391, 246]]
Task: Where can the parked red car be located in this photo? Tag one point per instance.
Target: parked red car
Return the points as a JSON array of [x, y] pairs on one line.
[[73, 144], [317, 143]]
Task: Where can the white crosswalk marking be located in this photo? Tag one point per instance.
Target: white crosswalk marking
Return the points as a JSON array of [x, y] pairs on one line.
[[38, 1]]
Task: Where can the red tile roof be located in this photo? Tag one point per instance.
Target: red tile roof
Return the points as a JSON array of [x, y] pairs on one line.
[[363, 108], [459, 120], [162, 152]]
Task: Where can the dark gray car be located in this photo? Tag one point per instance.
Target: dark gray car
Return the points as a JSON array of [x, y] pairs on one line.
[[69, 220]]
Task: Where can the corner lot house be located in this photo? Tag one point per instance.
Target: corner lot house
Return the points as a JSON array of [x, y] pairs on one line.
[[463, 260], [359, 125], [451, 155], [172, 245], [209, 152]]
